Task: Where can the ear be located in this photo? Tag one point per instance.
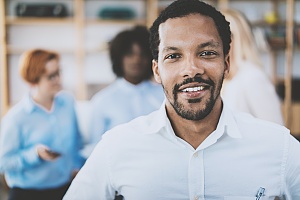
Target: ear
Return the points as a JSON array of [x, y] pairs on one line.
[[227, 65], [156, 71]]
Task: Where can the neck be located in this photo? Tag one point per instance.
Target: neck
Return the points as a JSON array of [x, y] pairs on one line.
[[134, 81], [43, 100], [195, 132]]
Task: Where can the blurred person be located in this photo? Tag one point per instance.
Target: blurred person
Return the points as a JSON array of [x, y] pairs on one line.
[[133, 93], [194, 146], [248, 88], [40, 140]]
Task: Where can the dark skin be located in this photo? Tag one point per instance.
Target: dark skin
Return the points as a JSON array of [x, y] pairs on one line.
[[135, 65], [191, 47]]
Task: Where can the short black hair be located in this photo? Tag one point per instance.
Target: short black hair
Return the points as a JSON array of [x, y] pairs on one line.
[[181, 8], [121, 45]]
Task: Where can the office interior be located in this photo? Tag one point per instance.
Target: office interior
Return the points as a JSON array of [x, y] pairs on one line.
[[82, 33]]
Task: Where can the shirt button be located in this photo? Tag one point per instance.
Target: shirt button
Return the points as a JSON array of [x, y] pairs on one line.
[[196, 154], [196, 198]]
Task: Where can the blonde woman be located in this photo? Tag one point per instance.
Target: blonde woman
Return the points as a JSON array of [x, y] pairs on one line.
[[248, 88]]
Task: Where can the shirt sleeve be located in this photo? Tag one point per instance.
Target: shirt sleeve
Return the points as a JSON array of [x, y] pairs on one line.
[[293, 169], [12, 157], [79, 159], [77, 136], [94, 179], [98, 123]]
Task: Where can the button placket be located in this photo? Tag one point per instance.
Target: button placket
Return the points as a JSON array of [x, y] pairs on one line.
[[196, 176]]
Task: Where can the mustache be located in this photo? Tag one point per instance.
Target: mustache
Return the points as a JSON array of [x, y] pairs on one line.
[[196, 79]]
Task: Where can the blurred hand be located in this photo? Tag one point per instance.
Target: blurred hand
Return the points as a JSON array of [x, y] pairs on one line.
[[74, 173], [46, 154]]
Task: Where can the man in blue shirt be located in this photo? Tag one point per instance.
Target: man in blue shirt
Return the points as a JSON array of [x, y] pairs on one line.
[[133, 93]]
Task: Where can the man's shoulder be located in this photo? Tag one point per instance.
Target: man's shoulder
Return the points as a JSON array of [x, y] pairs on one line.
[[106, 93], [255, 127], [155, 86]]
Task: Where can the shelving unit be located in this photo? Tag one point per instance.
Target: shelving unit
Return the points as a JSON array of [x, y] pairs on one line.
[[290, 108], [289, 62], [89, 49], [3, 61], [83, 47]]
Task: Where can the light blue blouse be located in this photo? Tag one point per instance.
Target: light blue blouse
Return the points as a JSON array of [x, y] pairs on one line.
[[121, 102], [24, 127]]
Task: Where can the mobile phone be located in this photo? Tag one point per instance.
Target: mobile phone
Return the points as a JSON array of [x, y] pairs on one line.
[[54, 153]]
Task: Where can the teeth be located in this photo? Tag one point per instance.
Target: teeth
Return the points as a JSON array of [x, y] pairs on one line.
[[193, 89]]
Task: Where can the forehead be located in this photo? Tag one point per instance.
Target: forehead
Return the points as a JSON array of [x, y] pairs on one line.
[[52, 65], [192, 28]]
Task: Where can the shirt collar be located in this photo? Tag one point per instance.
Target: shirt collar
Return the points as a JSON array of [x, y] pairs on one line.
[[132, 87], [30, 105], [226, 125]]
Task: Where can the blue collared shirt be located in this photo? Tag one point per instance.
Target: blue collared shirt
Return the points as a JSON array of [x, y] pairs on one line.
[[121, 102], [24, 127]]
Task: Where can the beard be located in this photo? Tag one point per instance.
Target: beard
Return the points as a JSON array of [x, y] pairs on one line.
[[196, 114]]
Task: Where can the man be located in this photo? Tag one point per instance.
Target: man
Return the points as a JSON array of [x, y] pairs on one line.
[[194, 147], [133, 94]]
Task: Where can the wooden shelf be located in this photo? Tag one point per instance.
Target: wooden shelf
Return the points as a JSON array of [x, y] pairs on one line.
[[15, 50], [265, 24], [115, 21], [38, 21], [260, 0]]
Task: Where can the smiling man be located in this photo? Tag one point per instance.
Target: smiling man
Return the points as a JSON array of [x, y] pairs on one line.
[[194, 147], [191, 66]]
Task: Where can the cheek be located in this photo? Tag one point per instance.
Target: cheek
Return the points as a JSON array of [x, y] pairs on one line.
[[216, 71], [168, 80], [42, 84], [145, 64], [126, 61]]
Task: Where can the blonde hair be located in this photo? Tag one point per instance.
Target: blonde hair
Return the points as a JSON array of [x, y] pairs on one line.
[[32, 64], [243, 43]]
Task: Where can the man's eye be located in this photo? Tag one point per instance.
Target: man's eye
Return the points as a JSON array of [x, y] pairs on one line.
[[173, 56], [208, 53]]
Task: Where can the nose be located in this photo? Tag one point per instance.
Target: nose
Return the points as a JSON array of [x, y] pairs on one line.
[[192, 67]]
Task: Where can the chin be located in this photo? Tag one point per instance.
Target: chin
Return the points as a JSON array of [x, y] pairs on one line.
[[57, 91]]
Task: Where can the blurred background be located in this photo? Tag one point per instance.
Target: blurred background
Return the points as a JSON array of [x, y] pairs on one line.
[[80, 30]]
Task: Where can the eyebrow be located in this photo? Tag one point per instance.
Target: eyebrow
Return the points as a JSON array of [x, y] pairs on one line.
[[209, 44], [200, 46], [170, 49]]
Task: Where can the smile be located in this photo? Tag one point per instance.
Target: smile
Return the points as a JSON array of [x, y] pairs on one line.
[[193, 89]]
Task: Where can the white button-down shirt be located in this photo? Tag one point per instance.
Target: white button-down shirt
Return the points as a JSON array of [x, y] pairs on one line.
[[145, 160]]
